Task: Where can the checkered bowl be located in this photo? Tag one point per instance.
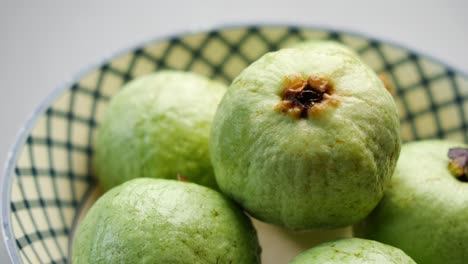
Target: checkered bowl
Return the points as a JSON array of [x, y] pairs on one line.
[[48, 181]]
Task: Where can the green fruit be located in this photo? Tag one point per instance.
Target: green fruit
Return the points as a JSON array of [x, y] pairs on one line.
[[158, 126], [163, 221], [306, 138], [425, 209], [353, 251]]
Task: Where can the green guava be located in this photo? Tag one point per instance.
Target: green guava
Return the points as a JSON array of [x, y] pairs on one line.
[[353, 251], [425, 209], [158, 126], [306, 138], [163, 221]]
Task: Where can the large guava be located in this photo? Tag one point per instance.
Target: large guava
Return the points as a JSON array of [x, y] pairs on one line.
[[163, 221], [158, 126], [306, 138]]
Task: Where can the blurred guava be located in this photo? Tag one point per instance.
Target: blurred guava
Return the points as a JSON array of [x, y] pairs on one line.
[[306, 138], [158, 126], [163, 221], [353, 251]]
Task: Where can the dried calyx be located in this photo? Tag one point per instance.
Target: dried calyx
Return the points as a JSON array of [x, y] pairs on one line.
[[458, 164], [301, 97], [182, 178]]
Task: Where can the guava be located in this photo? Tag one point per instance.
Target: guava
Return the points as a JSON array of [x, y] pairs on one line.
[[158, 126], [149, 220], [425, 209], [353, 251], [306, 138]]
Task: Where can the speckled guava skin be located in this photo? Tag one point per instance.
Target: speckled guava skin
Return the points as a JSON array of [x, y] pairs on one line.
[[326, 170], [353, 251], [163, 221], [158, 126], [425, 209]]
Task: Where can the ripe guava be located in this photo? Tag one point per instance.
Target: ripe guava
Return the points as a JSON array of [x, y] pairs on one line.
[[163, 221], [158, 126], [425, 209], [353, 251], [306, 138]]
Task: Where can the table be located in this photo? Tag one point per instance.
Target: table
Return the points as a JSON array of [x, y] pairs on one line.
[[45, 43]]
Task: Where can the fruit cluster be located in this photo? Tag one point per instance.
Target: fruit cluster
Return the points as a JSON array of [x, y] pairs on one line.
[[306, 137]]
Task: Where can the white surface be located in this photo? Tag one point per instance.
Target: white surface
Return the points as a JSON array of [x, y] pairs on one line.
[[44, 43]]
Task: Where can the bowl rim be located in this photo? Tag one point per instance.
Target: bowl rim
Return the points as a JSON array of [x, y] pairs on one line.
[[23, 132]]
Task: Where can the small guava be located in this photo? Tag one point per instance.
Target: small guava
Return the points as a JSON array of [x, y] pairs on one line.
[[306, 138], [353, 251], [163, 221], [425, 208], [158, 126]]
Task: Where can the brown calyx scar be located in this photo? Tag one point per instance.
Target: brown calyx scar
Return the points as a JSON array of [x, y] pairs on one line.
[[182, 178], [306, 97], [458, 164]]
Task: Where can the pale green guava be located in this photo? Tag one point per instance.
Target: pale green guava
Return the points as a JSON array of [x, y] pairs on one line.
[[306, 138], [425, 209], [353, 251], [163, 221], [158, 126]]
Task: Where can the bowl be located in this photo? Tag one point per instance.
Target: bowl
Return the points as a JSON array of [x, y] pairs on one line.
[[48, 183]]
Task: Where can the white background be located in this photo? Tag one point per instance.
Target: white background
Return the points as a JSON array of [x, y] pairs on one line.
[[45, 43]]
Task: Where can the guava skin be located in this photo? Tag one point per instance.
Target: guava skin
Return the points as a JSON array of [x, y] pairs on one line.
[[425, 209], [164, 221], [324, 171], [353, 251], [158, 126]]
